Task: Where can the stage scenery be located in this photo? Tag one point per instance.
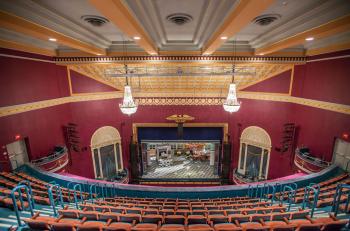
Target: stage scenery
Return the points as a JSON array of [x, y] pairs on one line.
[[175, 115], [176, 159]]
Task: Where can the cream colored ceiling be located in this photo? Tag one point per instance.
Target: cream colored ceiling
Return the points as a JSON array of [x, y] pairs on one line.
[[193, 85]]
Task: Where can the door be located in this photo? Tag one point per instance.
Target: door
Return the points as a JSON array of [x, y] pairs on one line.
[[341, 154], [17, 153]]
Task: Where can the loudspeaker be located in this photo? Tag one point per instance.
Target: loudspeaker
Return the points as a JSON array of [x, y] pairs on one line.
[[226, 161], [134, 161]]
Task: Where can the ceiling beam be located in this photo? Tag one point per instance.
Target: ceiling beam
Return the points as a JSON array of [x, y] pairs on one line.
[[333, 27], [26, 48], [119, 15], [23, 26], [328, 49], [241, 16]]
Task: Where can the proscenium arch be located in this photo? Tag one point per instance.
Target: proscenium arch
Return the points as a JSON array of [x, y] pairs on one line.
[[104, 136], [255, 136]]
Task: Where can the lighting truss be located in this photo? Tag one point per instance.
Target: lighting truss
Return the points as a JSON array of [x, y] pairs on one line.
[[200, 71]]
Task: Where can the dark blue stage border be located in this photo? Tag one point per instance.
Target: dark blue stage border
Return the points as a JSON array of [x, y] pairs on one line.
[[189, 133], [178, 192]]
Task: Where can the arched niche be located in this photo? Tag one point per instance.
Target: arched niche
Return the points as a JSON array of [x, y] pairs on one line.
[[106, 152], [254, 154]]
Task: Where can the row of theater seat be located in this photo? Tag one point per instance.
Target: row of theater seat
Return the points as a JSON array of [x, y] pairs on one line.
[[39, 190], [96, 221], [326, 193]]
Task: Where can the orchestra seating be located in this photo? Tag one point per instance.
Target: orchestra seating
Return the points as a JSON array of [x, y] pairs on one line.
[[152, 214]]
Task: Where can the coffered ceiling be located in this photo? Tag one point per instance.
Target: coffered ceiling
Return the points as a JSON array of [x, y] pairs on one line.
[[199, 28], [206, 85]]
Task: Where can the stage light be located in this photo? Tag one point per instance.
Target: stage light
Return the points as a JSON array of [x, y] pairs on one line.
[[137, 37], [309, 39], [224, 37], [52, 39]]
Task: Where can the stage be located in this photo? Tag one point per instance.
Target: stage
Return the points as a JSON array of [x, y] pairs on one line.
[[181, 168]]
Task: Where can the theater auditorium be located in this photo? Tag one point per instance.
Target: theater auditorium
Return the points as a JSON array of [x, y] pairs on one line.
[[175, 115]]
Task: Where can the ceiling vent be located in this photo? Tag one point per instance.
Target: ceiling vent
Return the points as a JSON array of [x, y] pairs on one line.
[[94, 20], [179, 18], [266, 19]]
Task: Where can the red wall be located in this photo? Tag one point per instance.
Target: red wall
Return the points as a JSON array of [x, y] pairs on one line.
[[82, 84], [28, 81], [23, 81], [92, 115], [277, 84]]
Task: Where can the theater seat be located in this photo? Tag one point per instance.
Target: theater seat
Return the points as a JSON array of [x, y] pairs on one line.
[[309, 227], [226, 227], [334, 225], [283, 227], [119, 226], [63, 227]]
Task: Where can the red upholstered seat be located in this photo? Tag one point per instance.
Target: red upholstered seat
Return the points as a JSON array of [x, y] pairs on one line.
[[334, 225], [146, 226], [309, 227], [118, 226], [226, 227], [63, 227], [299, 222], [172, 227], [200, 227]]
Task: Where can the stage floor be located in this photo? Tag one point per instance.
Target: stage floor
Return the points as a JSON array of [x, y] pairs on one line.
[[181, 169]]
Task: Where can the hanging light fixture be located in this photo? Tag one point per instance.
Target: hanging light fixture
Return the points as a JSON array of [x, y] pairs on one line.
[[231, 103], [128, 106]]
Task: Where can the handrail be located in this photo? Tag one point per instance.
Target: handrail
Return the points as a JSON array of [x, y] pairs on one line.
[[50, 158], [261, 187], [307, 191], [337, 197], [75, 195], [313, 160], [27, 183], [51, 198], [291, 194], [267, 192], [250, 191], [294, 184], [91, 193], [15, 207]]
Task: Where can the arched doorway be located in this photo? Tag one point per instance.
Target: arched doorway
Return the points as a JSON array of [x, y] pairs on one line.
[[106, 152], [254, 157]]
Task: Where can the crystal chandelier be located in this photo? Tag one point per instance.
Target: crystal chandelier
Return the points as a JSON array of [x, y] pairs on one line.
[[128, 106], [231, 103]]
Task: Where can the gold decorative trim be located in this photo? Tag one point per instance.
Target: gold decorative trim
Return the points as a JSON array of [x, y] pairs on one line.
[[291, 79], [161, 100], [138, 59]]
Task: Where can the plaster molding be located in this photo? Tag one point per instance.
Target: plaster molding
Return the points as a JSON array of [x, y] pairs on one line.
[[161, 99], [257, 136]]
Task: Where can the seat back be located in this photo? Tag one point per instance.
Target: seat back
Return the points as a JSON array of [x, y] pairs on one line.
[[69, 213], [299, 214], [280, 216], [284, 228], [153, 219], [334, 225], [258, 217], [62, 227], [129, 218], [174, 219], [218, 219], [310, 227], [196, 219], [108, 216]]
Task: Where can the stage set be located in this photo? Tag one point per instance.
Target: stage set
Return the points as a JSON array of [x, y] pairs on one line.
[[180, 151], [180, 159]]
